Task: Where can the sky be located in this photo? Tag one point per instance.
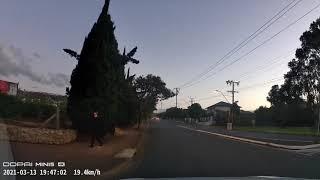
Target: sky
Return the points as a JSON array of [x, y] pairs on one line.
[[176, 39]]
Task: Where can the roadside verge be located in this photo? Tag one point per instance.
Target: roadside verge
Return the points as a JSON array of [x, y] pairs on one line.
[[128, 163]]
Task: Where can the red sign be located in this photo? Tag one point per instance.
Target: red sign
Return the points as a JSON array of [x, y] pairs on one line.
[[4, 87]]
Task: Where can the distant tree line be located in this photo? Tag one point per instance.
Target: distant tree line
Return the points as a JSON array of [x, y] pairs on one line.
[[194, 111], [296, 102]]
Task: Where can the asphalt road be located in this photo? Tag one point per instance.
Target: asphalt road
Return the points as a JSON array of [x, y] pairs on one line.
[[284, 139], [172, 151]]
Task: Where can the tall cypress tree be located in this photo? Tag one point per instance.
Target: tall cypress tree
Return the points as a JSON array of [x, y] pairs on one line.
[[98, 81]]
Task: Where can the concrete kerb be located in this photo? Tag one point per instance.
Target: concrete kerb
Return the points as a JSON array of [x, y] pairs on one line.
[[289, 147], [126, 163]]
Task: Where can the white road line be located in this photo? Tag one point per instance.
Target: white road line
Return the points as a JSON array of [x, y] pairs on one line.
[[286, 140], [309, 152], [255, 141], [222, 135]]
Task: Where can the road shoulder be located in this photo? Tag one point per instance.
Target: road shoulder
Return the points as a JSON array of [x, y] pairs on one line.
[[129, 164], [252, 140]]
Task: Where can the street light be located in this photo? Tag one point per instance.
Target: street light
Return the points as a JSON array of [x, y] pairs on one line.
[[223, 95]]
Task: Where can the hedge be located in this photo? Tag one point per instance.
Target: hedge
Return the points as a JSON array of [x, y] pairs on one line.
[[12, 107]]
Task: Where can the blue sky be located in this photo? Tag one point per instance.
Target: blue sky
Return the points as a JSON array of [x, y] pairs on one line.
[[176, 39]]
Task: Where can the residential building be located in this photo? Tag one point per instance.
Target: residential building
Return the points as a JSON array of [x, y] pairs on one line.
[[221, 111], [9, 88]]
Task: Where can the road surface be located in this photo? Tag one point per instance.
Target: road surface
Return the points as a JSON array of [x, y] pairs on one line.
[[285, 139], [172, 151]]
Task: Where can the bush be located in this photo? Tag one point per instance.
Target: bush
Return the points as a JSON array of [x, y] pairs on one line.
[[284, 115], [245, 118], [264, 116], [13, 107], [174, 112], [7, 106], [292, 115]]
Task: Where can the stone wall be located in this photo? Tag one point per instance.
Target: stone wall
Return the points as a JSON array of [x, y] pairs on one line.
[[36, 135]]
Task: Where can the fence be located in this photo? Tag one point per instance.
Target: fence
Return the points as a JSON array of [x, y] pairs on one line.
[[18, 110]]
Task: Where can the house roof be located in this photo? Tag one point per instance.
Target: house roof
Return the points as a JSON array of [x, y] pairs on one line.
[[221, 104], [9, 81]]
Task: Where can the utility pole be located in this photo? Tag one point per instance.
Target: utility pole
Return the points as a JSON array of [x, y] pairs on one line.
[[318, 124], [177, 92], [232, 83], [191, 100]]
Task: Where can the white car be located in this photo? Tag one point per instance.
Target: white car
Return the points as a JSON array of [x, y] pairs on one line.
[[155, 118]]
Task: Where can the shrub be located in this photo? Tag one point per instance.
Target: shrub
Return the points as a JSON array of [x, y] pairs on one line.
[[13, 107]]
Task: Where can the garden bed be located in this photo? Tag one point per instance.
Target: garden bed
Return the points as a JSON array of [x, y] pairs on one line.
[[36, 135]]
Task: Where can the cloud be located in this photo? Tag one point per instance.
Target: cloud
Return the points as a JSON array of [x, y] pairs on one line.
[[59, 79], [36, 55], [14, 63]]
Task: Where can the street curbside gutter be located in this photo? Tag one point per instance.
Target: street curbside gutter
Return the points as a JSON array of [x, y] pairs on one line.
[[126, 164], [289, 147]]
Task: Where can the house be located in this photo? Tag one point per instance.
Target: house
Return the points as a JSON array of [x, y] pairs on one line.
[[9, 88], [220, 111], [221, 106]]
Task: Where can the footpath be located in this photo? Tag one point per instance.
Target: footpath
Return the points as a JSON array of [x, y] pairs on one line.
[[78, 156]]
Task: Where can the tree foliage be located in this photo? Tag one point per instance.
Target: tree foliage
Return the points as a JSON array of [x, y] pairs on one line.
[[303, 78], [99, 82], [263, 116], [195, 111], [173, 112], [300, 91], [150, 89]]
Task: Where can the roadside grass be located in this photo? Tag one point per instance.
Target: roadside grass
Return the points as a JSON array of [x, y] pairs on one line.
[[305, 131]]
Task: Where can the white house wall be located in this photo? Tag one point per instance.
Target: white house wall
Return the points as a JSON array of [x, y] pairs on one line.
[[222, 108]]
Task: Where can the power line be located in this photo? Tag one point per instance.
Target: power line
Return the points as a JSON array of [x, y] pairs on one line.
[[185, 101], [191, 100], [267, 40], [246, 41], [265, 70], [261, 84], [242, 89], [261, 44], [223, 96], [276, 79], [206, 98], [271, 63], [243, 43], [262, 70]]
